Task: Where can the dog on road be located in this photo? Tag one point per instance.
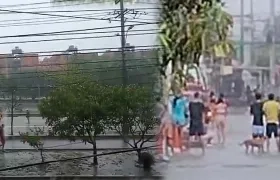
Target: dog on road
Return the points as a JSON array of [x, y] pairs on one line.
[[252, 143]]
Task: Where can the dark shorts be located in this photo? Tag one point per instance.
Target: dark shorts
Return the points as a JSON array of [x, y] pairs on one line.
[[271, 128], [197, 130]]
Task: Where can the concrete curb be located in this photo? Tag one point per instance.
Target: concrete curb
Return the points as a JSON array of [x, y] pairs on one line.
[[99, 137], [64, 149], [78, 177]]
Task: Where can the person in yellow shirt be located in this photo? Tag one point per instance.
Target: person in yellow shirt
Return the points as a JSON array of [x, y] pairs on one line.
[[271, 110]]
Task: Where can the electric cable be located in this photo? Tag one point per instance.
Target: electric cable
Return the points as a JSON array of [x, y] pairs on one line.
[[74, 38], [94, 32], [68, 31], [76, 158], [59, 15]]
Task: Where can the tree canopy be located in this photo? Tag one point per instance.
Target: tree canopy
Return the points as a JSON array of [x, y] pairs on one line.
[[76, 109], [191, 28], [80, 108]]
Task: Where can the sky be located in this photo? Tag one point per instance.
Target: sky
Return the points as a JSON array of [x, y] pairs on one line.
[[10, 27], [15, 24]]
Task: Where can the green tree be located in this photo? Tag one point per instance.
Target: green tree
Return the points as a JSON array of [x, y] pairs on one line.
[[136, 104], [76, 108], [10, 88], [34, 139], [189, 29]]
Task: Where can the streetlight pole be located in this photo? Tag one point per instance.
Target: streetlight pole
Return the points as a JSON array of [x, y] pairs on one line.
[[253, 60], [272, 45], [242, 31]]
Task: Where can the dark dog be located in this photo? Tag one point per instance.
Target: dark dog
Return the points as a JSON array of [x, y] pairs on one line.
[[251, 143]]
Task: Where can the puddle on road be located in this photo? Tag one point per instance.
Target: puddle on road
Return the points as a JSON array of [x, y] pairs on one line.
[[242, 166], [192, 166]]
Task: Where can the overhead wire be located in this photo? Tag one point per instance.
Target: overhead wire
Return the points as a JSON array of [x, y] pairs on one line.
[[97, 10], [45, 148], [93, 32], [29, 4], [45, 21], [47, 18], [74, 30], [48, 7], [76, 158], [70, 16], [93, 12], [74, 38]]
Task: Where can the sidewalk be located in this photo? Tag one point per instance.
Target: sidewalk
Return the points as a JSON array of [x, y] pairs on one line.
[[67, 145]]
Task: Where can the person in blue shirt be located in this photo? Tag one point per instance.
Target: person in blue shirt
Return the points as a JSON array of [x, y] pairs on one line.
[[180, 110]]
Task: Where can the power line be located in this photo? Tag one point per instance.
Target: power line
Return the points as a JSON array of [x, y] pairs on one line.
[[59, 21], [56, 15], [46, 7], [77, 38], [29, 4], [93, 12], [68, 31], [71, 159], [48, 18], [36, 23], [93, 32], [48, 147]]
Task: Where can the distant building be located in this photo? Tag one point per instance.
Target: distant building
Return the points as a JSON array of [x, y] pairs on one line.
[[56, 62], [3, 65]]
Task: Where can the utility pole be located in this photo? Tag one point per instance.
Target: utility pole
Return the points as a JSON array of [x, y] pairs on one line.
[[252, 47], [242, 31], [124, 70], [123, 41], [272, 45]]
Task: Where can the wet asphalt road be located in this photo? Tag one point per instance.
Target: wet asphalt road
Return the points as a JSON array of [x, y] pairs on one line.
[[229, 162]]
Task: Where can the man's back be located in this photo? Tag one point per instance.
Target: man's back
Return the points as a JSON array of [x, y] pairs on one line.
[[196, 110], [256, 111], [271, 110]]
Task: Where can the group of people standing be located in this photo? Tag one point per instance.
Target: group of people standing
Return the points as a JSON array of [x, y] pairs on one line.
[[266, 118], [190, 119]]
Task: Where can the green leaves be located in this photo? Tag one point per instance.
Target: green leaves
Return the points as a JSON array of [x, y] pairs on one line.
[[33, 138], [133, 107], [191, 28], [76, 108]]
